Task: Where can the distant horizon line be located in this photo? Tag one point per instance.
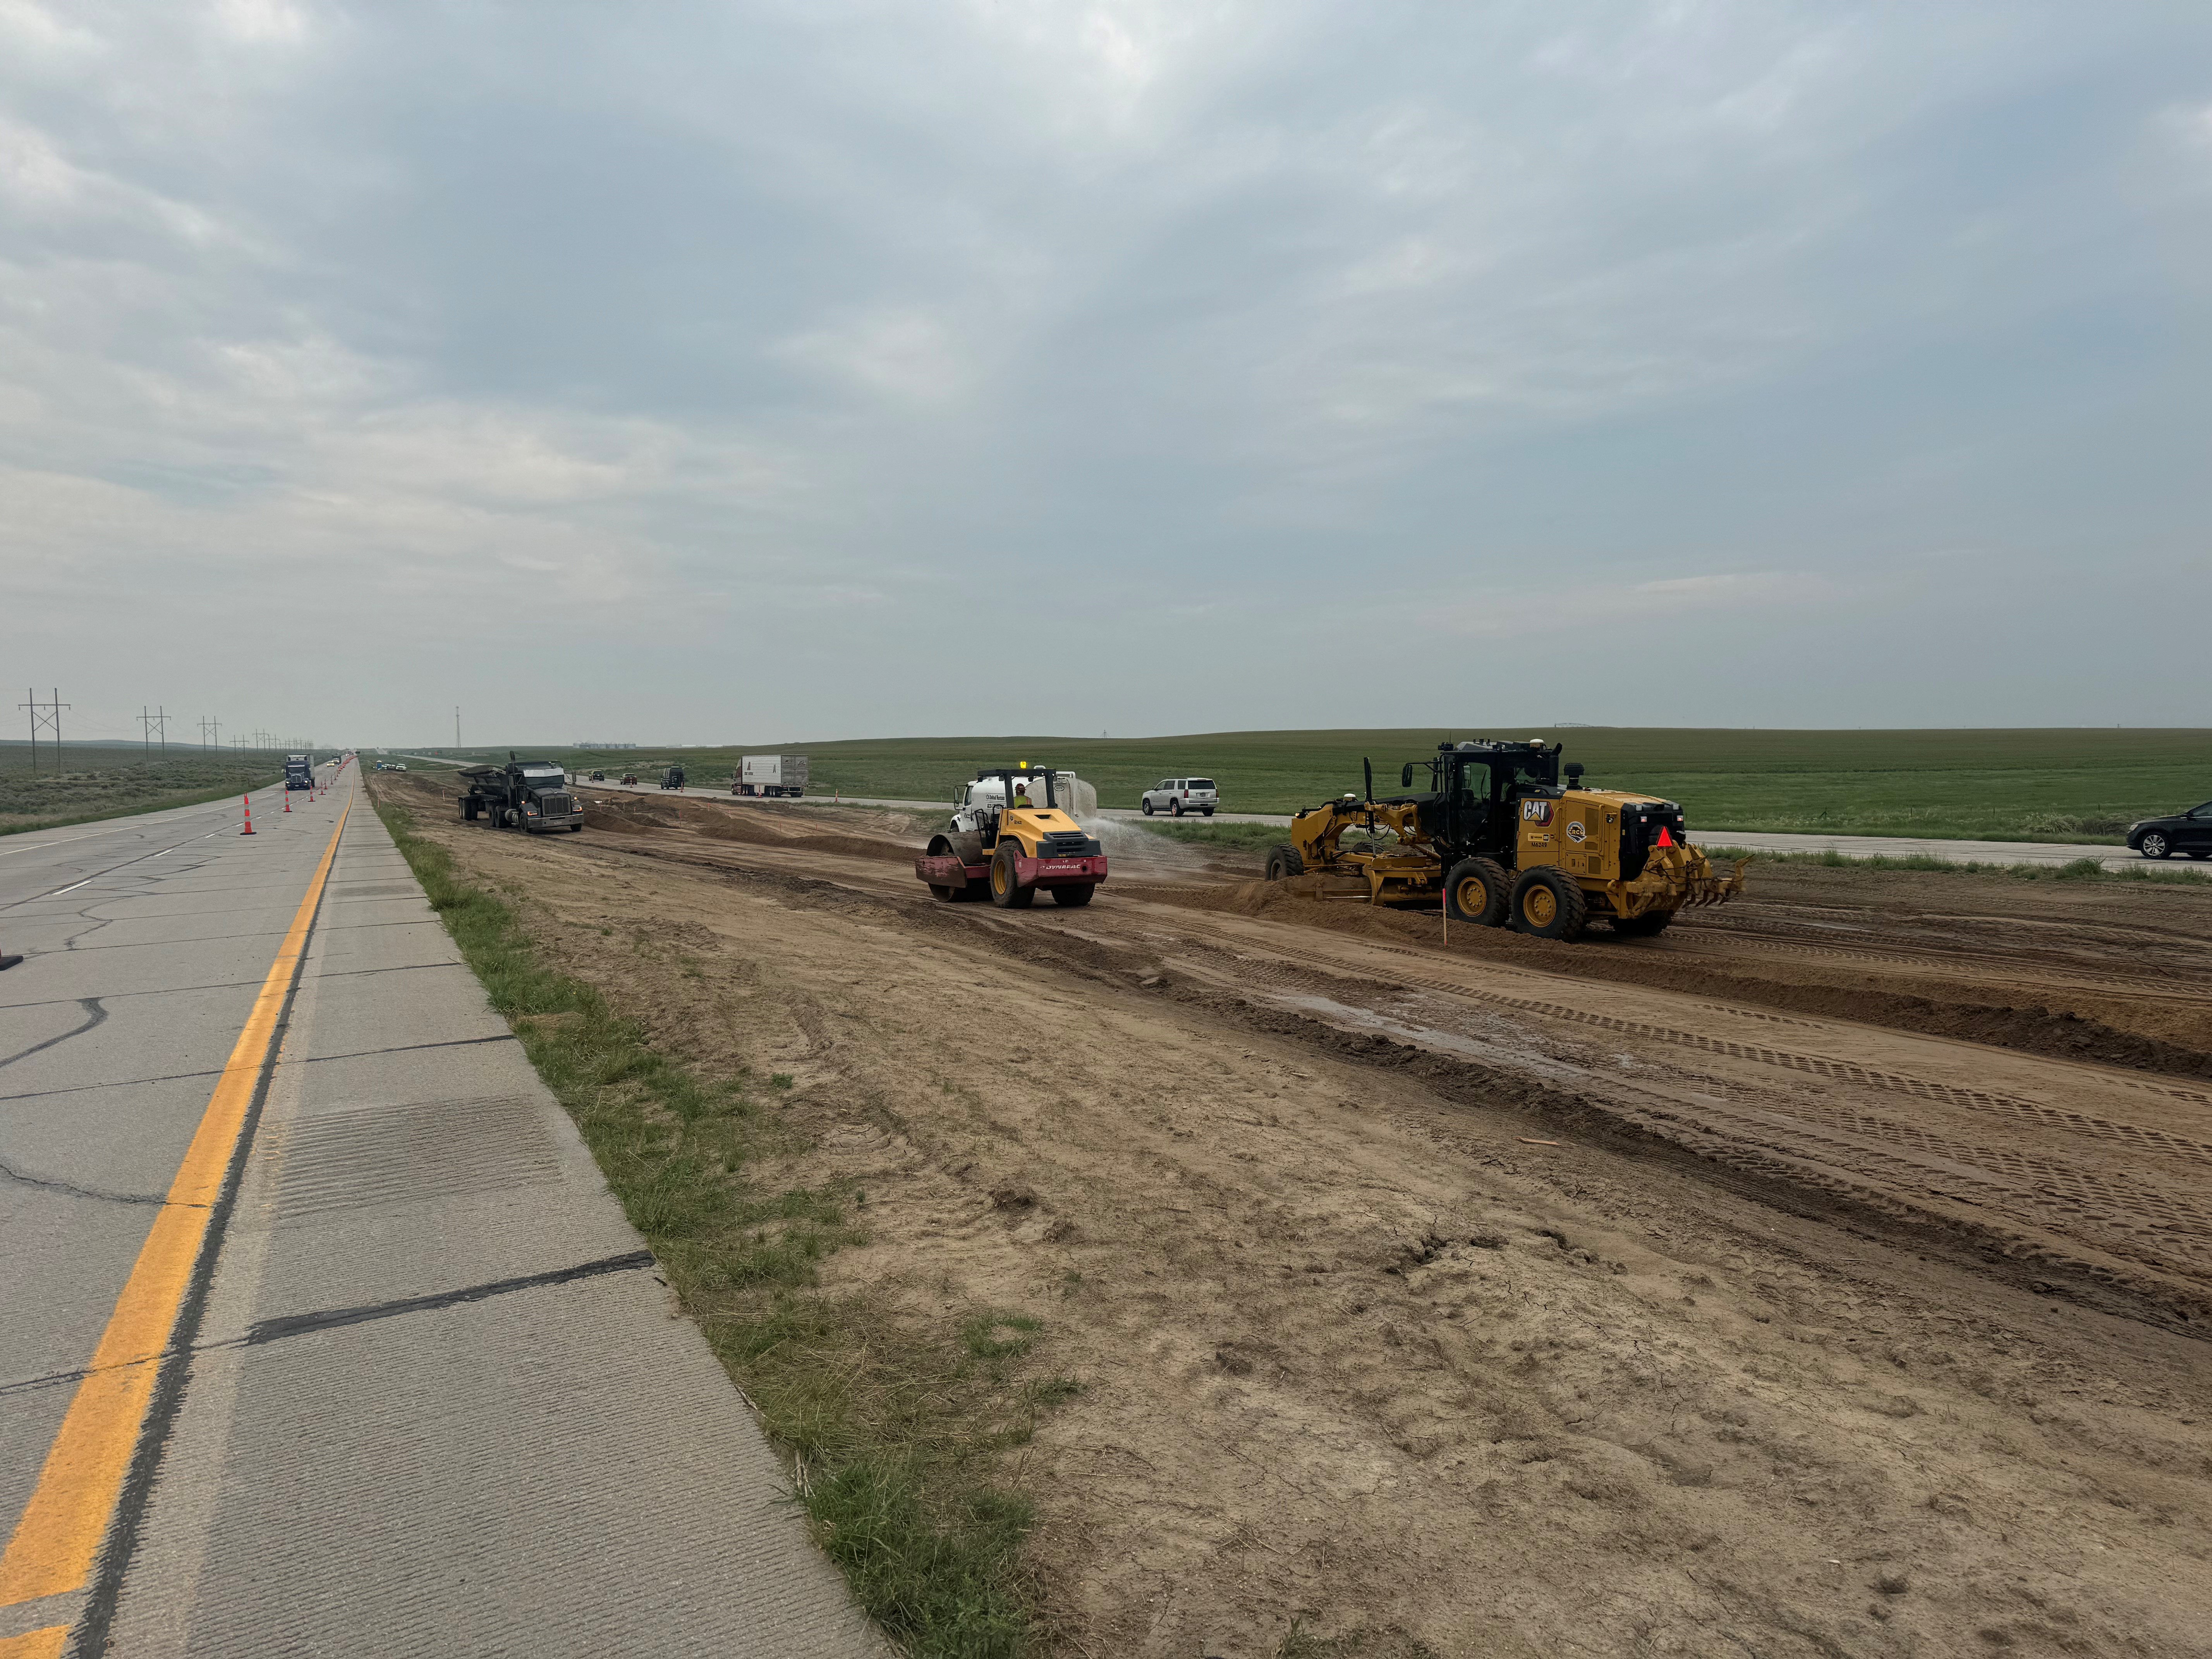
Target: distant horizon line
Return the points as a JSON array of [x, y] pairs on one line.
[[1166, 736]]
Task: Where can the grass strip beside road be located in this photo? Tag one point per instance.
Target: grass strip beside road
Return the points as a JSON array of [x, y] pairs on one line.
[[2082, 869], [891, 1434], [1255, 838], [139, 807]]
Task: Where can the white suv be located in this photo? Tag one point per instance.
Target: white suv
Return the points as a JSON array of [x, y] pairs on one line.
[[1180, 795]]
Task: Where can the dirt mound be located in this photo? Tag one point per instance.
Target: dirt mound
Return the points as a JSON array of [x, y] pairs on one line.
[[627, 817], [750, 831]]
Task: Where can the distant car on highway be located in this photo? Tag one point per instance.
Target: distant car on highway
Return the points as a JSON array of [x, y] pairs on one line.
[[598, 777], [2189, 832], [1177, 796]]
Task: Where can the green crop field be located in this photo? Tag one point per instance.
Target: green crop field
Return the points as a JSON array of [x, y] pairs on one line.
[[85, 782], [2067, 785]]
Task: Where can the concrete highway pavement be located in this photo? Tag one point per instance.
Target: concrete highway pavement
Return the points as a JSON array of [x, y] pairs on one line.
[[1858, 846], [324, 1334]]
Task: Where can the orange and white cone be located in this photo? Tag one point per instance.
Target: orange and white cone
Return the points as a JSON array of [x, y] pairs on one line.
[[249, 817]]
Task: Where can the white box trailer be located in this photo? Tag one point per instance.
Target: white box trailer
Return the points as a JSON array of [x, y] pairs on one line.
[[771, 774]]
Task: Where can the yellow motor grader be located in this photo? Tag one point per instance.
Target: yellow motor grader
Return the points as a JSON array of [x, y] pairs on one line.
[[1503, 842], [1010, 835]]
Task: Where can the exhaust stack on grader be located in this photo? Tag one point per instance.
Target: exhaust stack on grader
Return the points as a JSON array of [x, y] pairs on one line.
[[1506, 844]]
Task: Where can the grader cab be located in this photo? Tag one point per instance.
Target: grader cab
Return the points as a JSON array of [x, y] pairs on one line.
[[1010, 836], [1502, 842]]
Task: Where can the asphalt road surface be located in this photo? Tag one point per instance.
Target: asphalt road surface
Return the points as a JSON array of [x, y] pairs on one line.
[[323, 1333]]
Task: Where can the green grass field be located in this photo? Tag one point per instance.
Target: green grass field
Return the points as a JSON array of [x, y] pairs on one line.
[[81, 783], [2067, 785]]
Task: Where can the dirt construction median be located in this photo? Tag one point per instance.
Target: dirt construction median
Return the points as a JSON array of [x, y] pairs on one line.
[[1828, 1275]]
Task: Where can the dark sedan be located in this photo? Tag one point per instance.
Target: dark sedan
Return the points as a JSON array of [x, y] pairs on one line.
[[2189, 832]]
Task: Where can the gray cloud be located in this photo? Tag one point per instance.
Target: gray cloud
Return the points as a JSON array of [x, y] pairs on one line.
[[777, 369]]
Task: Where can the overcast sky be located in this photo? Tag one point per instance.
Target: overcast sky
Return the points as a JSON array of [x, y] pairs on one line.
[[753, 371]]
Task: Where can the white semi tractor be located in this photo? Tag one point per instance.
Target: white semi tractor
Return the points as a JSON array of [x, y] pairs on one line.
[[771, 774]]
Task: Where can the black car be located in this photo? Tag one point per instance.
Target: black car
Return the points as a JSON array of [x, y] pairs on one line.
[[2189, 832]]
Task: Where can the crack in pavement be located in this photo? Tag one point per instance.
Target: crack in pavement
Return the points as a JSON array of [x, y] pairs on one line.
[[409, 1048], [11, 1172], [127, 1083], [275, 1330], [288, 1325], [163, 991], [95, 1015]]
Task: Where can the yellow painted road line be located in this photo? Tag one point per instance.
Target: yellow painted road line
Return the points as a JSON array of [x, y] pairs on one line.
[[37, 1644], [55, 1541]]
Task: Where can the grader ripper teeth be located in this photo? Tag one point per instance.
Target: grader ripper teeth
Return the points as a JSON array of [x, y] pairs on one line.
[[1503, 842]]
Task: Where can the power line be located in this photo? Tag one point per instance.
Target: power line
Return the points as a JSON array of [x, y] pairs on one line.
[[51, 719]]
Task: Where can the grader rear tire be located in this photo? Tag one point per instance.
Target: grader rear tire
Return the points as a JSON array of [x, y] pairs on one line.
[[1547, 905], [1479, 890]]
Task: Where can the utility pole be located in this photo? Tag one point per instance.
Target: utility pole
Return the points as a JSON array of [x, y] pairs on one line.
[[47, 714], [456, 728], [155, 724], [208, 728]]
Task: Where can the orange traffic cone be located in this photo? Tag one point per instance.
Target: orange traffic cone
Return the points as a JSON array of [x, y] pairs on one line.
[[249, 817], [288, 808]]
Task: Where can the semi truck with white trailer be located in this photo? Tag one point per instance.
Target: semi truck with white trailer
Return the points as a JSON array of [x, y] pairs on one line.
[[771, 774]]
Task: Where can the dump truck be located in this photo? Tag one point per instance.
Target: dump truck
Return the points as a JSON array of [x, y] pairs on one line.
[[1503, 841], [1012, 836], [771, 774], [531, 795]]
